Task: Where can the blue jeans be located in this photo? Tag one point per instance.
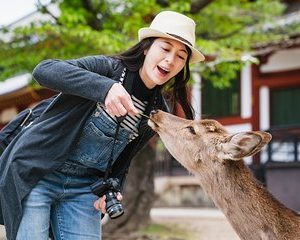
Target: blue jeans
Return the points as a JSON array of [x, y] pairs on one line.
[[64, 202]]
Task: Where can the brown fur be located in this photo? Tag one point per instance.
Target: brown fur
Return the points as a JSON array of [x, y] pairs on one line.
[[214, 156]]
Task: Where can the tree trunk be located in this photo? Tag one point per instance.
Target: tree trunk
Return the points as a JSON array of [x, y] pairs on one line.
[[138, 195], [198, 5]]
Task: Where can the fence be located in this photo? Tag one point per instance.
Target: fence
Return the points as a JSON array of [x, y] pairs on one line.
[[282, 168]]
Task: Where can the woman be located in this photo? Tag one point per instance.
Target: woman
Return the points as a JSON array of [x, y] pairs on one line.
[[46, 172]]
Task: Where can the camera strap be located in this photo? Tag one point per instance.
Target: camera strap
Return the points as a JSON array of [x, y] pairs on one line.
[[109, 164], [128, 87]]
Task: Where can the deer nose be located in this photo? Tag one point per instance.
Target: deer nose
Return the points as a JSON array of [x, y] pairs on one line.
[[153, 112]]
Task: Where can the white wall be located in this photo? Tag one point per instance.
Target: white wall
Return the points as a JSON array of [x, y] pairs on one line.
[[15, 83], [196, 94], [246, 92], [264, 108], [282, 60]]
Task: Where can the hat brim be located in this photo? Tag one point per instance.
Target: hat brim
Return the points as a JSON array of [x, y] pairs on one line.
[[143, 33]]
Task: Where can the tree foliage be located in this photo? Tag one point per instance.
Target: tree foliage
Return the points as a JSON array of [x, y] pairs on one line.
[[225, 30]]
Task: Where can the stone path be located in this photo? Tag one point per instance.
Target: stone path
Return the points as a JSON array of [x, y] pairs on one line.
[[204, 224]]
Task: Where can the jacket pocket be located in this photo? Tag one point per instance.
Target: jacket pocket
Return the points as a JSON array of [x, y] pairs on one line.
[[94, 147]]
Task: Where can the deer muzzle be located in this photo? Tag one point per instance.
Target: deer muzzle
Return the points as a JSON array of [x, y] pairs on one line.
[[152, 122]]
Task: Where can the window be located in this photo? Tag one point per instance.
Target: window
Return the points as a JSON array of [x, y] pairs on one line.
[[285, 110], [221, 102]]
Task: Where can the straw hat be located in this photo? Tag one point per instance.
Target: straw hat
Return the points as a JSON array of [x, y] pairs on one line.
[[173, 25]]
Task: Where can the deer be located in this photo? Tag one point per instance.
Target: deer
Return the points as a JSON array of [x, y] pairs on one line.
[[215, 157]]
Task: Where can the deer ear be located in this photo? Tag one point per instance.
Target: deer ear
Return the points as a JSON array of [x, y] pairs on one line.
[[243, 144]]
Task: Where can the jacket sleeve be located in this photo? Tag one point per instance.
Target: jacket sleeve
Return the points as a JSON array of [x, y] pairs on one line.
[[88, 77]]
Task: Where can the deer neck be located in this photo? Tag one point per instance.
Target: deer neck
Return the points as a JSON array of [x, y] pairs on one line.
[[246, 204]]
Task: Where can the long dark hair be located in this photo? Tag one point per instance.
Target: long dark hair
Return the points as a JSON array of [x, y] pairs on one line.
[[133, 59]]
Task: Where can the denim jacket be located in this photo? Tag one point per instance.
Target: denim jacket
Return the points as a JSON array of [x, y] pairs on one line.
[[45, 145], [96, 145]]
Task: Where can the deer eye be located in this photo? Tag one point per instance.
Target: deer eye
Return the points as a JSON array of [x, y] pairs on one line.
[[211, 129], [191, 129]]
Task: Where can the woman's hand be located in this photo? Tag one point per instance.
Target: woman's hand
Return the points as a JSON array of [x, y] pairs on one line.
[[100, 204], [118, 102]]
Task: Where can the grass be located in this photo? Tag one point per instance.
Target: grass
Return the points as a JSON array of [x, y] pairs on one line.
[[167, 232]]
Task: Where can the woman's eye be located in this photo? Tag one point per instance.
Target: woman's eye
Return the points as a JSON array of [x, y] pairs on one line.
[[181, 57], [192, 130], [165, 49]]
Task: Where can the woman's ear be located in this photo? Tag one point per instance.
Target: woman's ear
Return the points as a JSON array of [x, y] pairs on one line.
[[145, 52]]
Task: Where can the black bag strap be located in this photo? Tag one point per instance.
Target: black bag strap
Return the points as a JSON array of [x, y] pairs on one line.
[[23, 119]]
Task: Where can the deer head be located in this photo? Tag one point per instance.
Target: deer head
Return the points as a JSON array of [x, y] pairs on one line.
[[194, 142]]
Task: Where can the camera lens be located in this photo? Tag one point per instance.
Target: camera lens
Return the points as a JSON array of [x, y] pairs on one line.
[[113, 206]]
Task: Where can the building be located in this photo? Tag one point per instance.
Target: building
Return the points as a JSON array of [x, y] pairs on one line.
[[16, 92]]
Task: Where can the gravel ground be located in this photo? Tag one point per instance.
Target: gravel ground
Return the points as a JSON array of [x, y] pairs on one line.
[[2, 233], [204, 229], [203, 224]]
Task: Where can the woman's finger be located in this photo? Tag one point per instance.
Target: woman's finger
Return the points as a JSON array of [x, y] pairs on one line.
[[130, 108], [114, 109], [96, 204], [100, 204], [120, 109], [118, 101], [119, 196]]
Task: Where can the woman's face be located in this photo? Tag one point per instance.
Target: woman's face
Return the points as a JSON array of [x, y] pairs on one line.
[[163, 60]]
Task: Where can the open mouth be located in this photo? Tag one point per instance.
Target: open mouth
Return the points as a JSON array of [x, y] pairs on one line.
[[162, 71]]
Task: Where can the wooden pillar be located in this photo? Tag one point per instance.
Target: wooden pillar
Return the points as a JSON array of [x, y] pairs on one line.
[[255, 97], [255, 106]]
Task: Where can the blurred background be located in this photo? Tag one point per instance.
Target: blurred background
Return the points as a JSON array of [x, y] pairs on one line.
[[249, 81]]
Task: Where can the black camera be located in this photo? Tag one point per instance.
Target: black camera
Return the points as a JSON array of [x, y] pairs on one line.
[[109, 187]]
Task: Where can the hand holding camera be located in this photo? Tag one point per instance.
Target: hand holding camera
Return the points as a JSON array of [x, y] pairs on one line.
[[109, 192], [100, 204]]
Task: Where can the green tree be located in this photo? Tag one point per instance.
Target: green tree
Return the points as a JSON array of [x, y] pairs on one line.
[[226, 29], [110, 26]]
